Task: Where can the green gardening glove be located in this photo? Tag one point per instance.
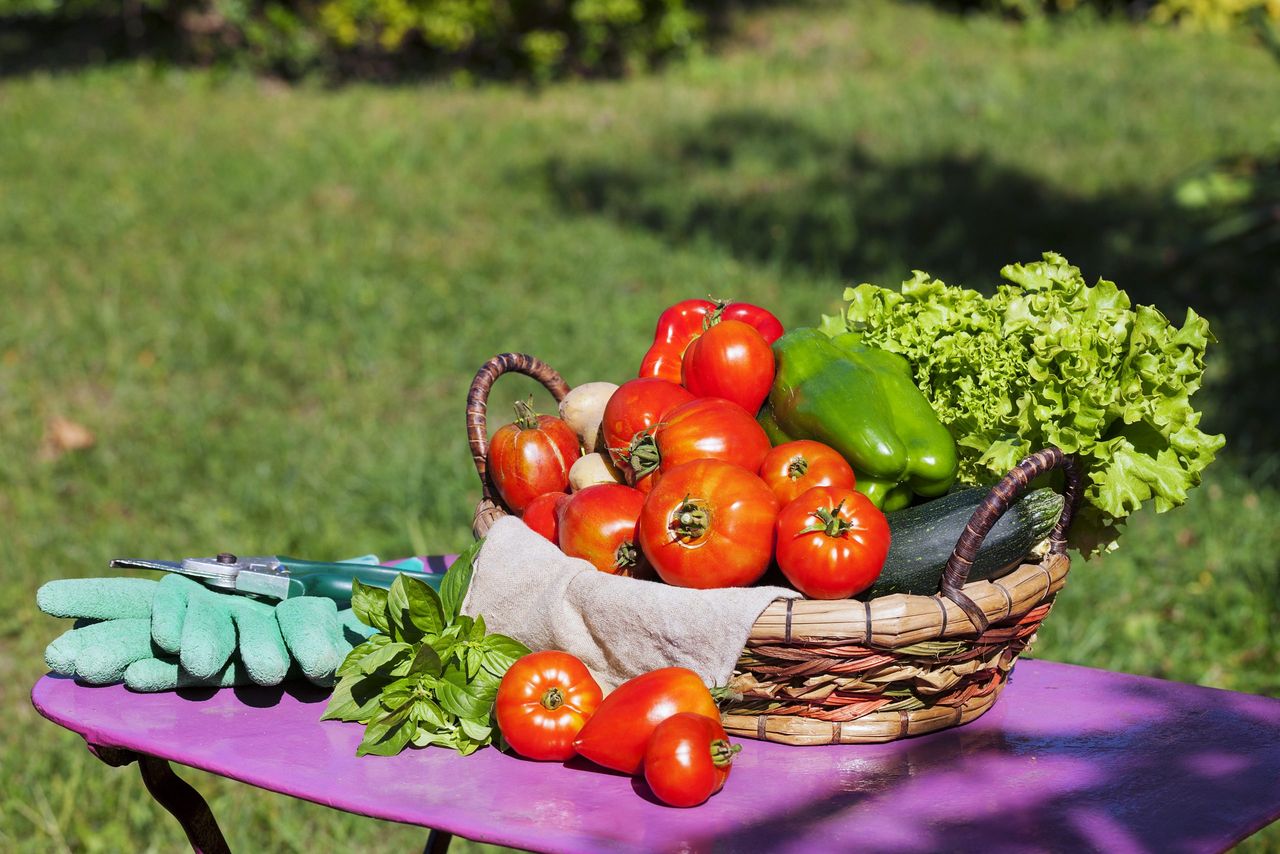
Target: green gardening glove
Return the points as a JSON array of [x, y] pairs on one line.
[[157, 636]]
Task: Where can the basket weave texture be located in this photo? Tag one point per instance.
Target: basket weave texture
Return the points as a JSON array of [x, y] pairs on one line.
[[847, 671]]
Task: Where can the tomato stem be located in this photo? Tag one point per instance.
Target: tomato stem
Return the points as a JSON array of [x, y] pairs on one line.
[[526, 418], [692, 519], [797, 468], [832, 525], [643, 456], [552, 698], [722, 752], [626, 556], [716, 314]]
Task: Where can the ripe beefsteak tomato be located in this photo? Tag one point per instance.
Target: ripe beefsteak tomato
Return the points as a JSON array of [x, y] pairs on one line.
[[632, 413], [709, 523], [599, 524], [832, 542], [688, 759], [531, 457], [543, 702], [543, 514], [683, 322], [730, 360], [795, 467], [617, 734], [707, 428]]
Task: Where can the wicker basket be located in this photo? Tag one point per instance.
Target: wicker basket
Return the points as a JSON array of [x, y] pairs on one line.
[[845, 671]]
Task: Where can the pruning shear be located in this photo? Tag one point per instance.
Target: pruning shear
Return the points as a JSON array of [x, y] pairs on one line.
[[277, 577]]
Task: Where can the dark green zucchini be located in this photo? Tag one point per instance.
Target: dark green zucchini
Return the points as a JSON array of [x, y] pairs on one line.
[[923, 537]]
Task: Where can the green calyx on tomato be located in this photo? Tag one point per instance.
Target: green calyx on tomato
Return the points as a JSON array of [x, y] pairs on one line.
[[797, 468], [722, 752], [552, 699], [691, 519], [627, 556], [526, 418], [829, 522], [642, 454]]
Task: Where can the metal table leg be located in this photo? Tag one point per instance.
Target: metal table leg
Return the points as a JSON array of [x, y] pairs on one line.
[[175, 795], [437, 842]]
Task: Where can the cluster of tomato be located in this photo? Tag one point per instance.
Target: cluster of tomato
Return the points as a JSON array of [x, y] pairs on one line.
[[663, 724], [706, 500]]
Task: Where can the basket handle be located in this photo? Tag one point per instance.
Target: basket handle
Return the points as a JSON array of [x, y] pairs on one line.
[[1002, 495], [478, 401]]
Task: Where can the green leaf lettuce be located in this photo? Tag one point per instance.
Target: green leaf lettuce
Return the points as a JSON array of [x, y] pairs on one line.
[[1051, 360]]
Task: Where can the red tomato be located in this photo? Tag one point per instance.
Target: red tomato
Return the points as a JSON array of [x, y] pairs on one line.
[[630, 416], [680, 324], [730, 360], [599, 524], [832, 542], [543, 514], [543, 702], [531, 457], [688, 759], [709, 428], [794, 467], [709, 523], [618, 732]]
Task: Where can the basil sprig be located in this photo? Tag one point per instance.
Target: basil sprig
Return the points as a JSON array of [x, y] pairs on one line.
[[430, 675]]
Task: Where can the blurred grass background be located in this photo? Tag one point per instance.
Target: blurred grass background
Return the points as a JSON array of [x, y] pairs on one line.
[[266, 304]]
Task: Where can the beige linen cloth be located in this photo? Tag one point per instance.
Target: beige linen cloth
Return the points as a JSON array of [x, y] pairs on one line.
[[619, 627]]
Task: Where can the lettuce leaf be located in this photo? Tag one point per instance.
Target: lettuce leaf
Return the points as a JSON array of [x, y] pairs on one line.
[[1051, 360]]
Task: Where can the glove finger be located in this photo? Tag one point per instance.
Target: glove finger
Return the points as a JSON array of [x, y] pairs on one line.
[[107, 649], [262, 650], [311, 631], [161, 674], [97, 598], [63, 652], [208, 635], [169, 610]]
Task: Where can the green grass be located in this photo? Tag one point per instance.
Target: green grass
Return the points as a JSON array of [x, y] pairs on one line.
[[267, 304]]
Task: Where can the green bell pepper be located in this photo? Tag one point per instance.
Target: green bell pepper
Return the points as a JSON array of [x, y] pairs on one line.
[[864, 403]]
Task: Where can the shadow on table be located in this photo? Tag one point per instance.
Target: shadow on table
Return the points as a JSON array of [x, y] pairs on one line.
[[771, 190], [973, 789]]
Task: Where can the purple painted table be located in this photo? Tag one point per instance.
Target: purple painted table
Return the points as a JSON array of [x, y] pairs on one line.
[[1070, 758]]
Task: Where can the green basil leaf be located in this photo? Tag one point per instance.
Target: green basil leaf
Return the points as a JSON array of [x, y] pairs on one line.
[[453, 589], [484, 686], [474, 659], [387, 735], [455, 697], [384, 657], [355, 698], [500, 652], [396, 693], [341, 706], [467, 747], [445, 645], [463, 624], [424, 711], [426, 737], [369, 605], [475, 729], [426, 661], [402, 627], [477, 629], [389, 744], [425, 610], [351, 664]]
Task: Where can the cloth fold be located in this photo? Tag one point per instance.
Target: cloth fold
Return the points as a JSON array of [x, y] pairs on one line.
[[619, 627]]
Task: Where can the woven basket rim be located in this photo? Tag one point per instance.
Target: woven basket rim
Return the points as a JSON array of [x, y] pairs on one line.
[[901, 619]]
